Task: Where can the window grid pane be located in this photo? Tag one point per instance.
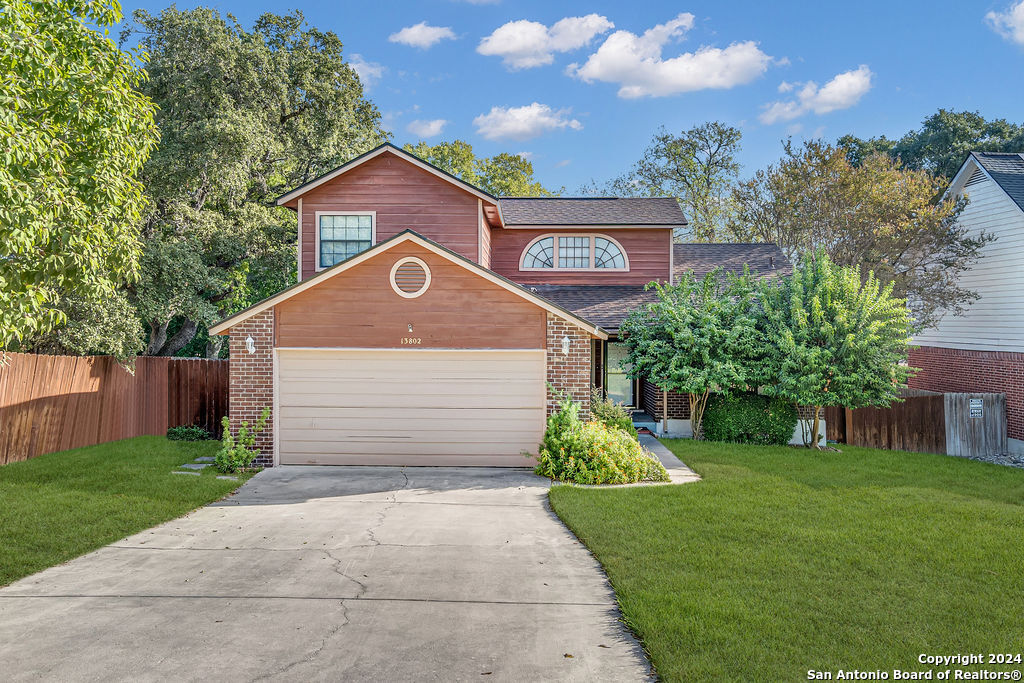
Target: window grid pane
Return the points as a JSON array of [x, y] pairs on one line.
[[607, 255], [343, 236], [573, 252], [541, 254]]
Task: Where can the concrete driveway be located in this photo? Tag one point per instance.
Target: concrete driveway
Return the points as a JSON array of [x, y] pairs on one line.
[[354, 573]]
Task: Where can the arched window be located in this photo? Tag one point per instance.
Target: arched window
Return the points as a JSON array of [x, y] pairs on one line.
[[540, 254], [573, 251], [607, 254]]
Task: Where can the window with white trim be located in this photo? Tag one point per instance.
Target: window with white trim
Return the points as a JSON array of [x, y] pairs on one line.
[[574, 252], [342, 236]]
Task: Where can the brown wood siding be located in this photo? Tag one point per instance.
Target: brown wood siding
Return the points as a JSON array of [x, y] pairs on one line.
[[405, 197], [359, 309], [648, 251]]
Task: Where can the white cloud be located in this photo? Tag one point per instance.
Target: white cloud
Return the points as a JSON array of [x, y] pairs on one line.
[[1009, 24], [786, 86], [426, 128], [369, 72], [525, 44], [842, 92], [563, 162], [422, 35], [523, 123], [636, 63], [525, 155]]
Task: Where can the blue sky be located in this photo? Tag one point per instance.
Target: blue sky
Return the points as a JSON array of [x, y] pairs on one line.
[[580, 87]]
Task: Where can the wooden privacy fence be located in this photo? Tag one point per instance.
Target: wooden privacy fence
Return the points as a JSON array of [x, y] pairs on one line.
[[52, 403], [926, 422]]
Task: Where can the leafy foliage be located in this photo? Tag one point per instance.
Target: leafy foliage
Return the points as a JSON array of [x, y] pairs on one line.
[[942, 143], [750, 418], [244, 116], [611, 414], [238, 452], [699, 336], [593, 453], [188, 433], [831, 340], [698, 167], [504, 174], [74, 132], [103, 325], [875, 215]]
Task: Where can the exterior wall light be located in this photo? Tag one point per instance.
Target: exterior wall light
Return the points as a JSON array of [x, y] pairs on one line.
[[250, 344], [565, 345]]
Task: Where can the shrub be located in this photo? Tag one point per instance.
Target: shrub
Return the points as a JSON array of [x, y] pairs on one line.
[[238, 452], [610, 413], [188, 433], [593, 453], [750, 418]]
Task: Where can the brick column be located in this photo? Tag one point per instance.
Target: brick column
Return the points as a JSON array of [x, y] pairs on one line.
[[252, 380], [568, 372]]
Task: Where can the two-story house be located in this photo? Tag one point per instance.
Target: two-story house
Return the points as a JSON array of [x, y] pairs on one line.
[[435, 324], [983, 350]]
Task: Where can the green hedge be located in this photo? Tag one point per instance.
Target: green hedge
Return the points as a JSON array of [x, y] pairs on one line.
[[749, 418]]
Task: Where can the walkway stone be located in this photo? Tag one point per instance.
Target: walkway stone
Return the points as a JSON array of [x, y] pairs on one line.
[[195, 466], [204, 458], [194, 474], [678, 472]]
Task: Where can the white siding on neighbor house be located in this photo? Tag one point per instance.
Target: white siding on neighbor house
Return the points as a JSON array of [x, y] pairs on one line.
[[995, 322]]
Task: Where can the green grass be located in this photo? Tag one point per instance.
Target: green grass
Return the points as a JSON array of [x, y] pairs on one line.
[[59, 506], [784, 560]]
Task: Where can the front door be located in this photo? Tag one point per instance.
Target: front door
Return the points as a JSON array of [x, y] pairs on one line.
[[617, 383]]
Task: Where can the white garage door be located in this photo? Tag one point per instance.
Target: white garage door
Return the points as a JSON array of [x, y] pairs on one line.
[[399, 407]]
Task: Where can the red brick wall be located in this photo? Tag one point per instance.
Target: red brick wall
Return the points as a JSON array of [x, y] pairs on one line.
[[678, 404], [252, 380], [568, 372], [963, 370]]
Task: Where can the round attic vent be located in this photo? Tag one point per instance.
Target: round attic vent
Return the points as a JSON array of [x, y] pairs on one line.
[[410, 277]]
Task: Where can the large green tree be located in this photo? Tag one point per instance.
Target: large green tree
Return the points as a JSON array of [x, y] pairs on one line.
[[832, 338], [503, 175], [876, 215], [74, 132], [942, 142], [698, 167], [697, 337], [245, 114]]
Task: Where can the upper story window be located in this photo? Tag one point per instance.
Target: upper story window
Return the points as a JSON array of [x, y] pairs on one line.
[[343, 235], [574, 252]]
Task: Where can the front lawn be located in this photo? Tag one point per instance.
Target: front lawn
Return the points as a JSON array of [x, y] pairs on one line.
[[59, 506], [783, 560]]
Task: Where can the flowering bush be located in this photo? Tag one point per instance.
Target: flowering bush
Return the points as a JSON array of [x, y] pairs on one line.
[[593, 453]]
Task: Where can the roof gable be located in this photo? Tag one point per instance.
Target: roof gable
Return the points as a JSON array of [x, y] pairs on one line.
[[1005, 169], [408, 236], [387, 147]]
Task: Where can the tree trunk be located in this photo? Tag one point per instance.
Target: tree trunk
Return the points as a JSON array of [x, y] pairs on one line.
[[182, 337], [213, 347], [157, 337], [698, 402], [814, 428]]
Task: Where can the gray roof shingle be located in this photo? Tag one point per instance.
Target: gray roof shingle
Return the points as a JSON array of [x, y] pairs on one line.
[[608, 305], [1007, 169], [592, 211], [764, 260]]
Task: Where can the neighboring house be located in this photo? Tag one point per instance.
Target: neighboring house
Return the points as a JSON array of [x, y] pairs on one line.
[[983, 350], [435, 324]]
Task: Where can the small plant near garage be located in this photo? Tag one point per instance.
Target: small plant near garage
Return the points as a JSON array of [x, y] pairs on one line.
[[750, 418], [610, 413], [188, 433], [237, 452], [592, 452]]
